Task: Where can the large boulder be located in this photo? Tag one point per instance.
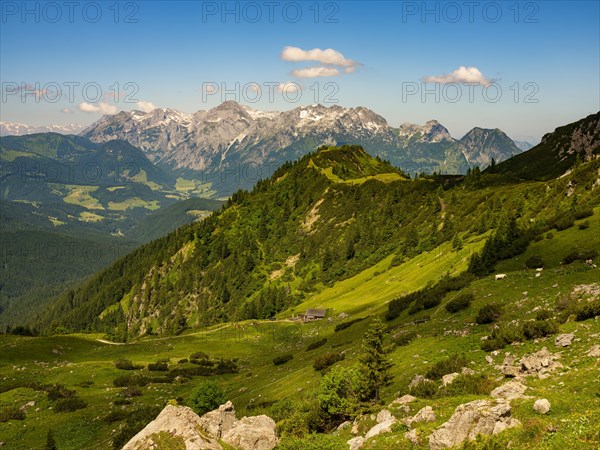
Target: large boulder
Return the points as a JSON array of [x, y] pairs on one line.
[[383, 427], [471, 419], [252, 433], [204, 433], [509, 391], [564, 340], [182, 423], [425, 414], [541, 406], [356, 443]]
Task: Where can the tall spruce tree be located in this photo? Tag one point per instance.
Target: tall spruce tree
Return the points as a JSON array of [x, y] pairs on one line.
[[374, 363]]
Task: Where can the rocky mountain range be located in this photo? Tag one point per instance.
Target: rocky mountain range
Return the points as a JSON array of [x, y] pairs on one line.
[[238, 140]]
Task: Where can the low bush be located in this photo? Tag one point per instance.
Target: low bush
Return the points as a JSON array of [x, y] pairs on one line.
[[198, 355], [534, 262], [122, 402], [583, 213], [404, 338], [131, 380], [579, 255], [453, 363], [207, 396], [58, 391], [69, 404], [424, 389], [543, 314], [278, 360], [131, 391], [463, 301], [327, 360], [476, 384], [316, 344], [344, 325], [488, 314], [539, 328], [116, 415], [564, 222], [588, 311], [158, 367], [126, 364], [584, 225], [11, 412]]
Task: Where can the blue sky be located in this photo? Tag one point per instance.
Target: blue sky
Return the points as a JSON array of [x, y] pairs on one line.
[[532, 66]]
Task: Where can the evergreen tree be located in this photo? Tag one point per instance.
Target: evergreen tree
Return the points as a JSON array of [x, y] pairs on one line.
[[50, 442], [374, 363]]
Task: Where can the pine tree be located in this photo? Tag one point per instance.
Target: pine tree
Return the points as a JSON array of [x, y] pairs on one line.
[[374, 363], [50, 442]]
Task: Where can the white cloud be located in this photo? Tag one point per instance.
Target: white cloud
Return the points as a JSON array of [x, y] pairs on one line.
[[319, 71], [102, 107], [461, 75], [328, 59], [145, 106], [290, 87], [66, 111]]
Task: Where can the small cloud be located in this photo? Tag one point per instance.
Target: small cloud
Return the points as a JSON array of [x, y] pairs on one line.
[[328, 58], [461, 75], [102, 107], [313, 72], [290, 87], [66, 111], [145, 106]]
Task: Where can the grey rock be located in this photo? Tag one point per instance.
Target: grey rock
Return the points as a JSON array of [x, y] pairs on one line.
[[541, 406], [564, 340]]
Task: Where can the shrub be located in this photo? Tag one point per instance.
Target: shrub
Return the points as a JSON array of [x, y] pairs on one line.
[[344, 325], [534, 262], [445, 366], [294, 426], [584, 225], [588, 311], [539, 328], [58, 391], [579, 255], [543, 314], [199, 355], [131, 380], [69, 404], [115, 415], [404, 338], [424, 389], [131, 391], [316, 344], [122, 402], [488, 314], [459, 303], [564, 222], [182, 361], [206, 397], [339, 392], [126, 364], [327, 360], [583, 213], [278, 360], [11, 412], [476, 384], [396, 306], [158, 367]]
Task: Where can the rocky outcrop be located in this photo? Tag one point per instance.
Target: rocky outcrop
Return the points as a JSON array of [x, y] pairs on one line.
[[540, 364], [471, 419], [425, 414], [204, 433]]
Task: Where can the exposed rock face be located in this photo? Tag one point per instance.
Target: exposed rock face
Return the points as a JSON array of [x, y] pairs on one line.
[[564, 340], [497, 145], [541, 406], [384, 415], [404, 399], [471, 419], [203, 433], [509, 391], [382, 427]]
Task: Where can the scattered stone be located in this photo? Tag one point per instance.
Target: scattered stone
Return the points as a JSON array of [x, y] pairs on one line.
[[417, 379], [384, 415], [30, 404], [489, 359], [356, 443], [564, 340], [344, 425], [509, 391], [449, 378], [425, 414], [541, 406], [383, 427], [412, 436], [354, 429], [405, 399], [471, 419], [540, 363], [594, 352], [467, 371]]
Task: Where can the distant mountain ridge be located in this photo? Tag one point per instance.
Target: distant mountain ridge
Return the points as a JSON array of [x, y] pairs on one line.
[[233, 135], [20, 129], [497, 144]]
